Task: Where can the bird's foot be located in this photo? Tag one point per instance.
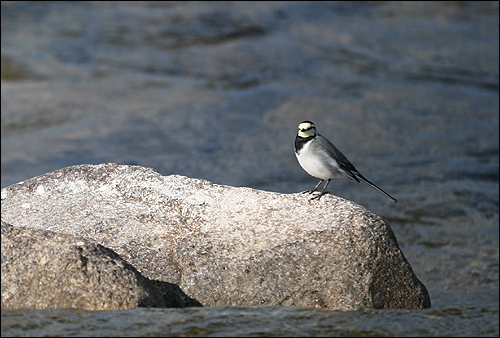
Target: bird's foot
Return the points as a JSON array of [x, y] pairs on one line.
[[308, 191], [318, 196]]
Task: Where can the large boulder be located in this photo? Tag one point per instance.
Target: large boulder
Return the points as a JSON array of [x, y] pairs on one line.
[[224, 245]]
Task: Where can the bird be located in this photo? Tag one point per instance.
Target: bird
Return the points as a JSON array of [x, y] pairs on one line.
[[321, 159]]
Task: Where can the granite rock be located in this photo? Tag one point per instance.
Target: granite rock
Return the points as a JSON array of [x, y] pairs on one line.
[[46, 270], [225, 245]]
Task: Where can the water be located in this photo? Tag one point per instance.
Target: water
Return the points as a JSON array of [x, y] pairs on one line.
[[253, 321], [407, 91]]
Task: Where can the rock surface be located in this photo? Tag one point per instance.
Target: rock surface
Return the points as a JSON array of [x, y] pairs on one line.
[[224, 245], [46, 270]]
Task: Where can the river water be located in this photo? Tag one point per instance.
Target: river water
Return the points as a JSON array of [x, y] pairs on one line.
[[408, 91]]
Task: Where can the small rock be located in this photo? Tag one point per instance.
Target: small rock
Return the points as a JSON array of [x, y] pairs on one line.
[[46, 270]]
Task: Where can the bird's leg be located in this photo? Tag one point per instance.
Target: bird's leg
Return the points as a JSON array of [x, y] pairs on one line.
[[315, 188], [318, 196]]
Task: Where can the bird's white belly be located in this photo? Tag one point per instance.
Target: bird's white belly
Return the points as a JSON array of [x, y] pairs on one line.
[[318, 166]]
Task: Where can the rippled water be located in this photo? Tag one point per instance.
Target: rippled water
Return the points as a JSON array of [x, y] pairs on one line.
[[407, 90], [254, 321]]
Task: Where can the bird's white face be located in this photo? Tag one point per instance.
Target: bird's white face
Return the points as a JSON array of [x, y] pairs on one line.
[[306, 129]]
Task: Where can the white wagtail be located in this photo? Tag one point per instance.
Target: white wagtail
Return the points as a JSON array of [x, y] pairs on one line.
[[319, 158]]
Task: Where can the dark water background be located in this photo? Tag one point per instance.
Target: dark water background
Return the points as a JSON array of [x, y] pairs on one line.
[[407, 90]]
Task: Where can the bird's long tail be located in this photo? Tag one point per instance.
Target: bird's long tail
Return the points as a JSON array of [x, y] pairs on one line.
[[376, 188]]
